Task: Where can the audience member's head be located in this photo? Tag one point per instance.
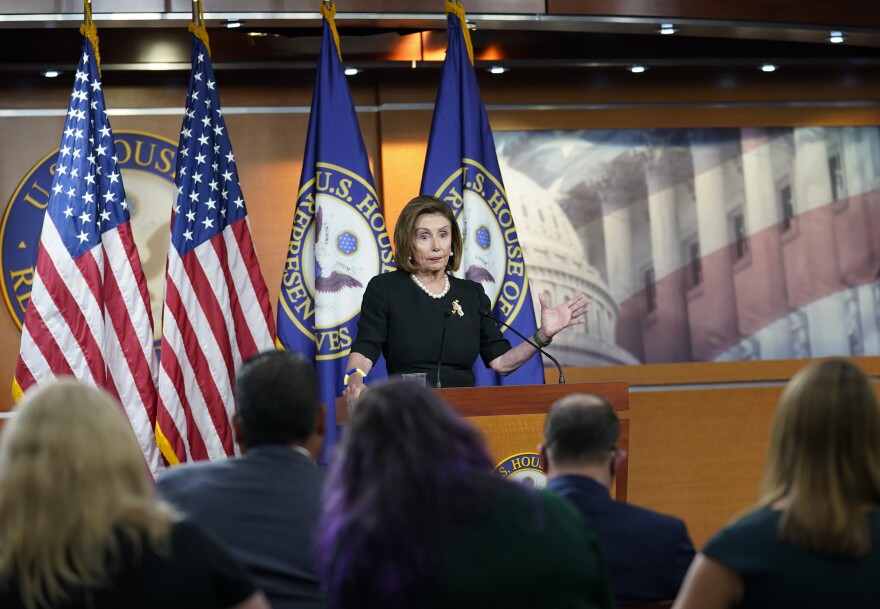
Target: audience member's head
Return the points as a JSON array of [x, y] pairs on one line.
[[72, 481], [406, 469], [580, 437], [823, 466], [276, 394]]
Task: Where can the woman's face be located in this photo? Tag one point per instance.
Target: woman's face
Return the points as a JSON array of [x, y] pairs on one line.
[[432, 243]]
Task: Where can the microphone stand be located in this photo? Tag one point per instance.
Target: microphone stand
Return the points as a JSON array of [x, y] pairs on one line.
[[520, 334], [447, 314]]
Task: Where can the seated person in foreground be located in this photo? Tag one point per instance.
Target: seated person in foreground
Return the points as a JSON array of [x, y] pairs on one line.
[[265, 504], [415, 518], [80, 526], [813, 541], [647, 553]]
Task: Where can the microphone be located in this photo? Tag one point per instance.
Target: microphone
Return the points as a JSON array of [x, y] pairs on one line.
[[485, 313], [446, 315]]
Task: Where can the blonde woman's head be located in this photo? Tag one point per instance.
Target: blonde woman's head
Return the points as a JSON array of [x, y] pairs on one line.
[[824, 457], [72, 481]]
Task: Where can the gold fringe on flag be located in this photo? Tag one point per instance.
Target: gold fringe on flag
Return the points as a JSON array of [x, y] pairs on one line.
[[16, 391], [197, 26], [165, 446], [90, 31], [328, 10], [458, 10]]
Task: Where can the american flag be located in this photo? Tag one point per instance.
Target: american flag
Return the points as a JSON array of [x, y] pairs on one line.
[[89, 312], [217, 311]]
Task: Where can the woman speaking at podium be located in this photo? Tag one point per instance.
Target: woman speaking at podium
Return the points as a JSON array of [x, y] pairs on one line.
[[423, 319]]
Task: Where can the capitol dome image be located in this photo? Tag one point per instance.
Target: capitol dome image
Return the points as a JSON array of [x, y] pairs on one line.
[[557, 266]]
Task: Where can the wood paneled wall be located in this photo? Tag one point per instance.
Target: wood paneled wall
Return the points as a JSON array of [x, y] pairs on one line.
[[699, 433]]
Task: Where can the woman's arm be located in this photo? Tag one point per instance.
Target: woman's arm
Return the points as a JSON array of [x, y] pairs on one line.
[[709, 584], [355, 381], [553, 321], [371, 335], [513, 359]]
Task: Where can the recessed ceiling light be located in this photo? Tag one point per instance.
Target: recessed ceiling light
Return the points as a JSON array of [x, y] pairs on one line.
[[768, 67], [51, 73], [836, 37], [471, 25], [497, 70], [667, 28], [637, 69], [351, 71], [233, 23], [257, 34]]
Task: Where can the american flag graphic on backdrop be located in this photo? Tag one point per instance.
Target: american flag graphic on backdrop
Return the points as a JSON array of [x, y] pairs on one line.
[[216, 311], [89, 311]]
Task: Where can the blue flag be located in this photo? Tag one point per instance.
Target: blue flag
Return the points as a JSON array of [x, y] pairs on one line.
[[461, 168], [338, 241]]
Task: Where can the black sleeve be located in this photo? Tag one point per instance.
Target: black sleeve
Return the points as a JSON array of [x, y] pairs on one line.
[[732, 548], [373, 322], [492, 343], [229, 578]]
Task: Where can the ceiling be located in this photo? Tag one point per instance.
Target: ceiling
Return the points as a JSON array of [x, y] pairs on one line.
[[149, 36]]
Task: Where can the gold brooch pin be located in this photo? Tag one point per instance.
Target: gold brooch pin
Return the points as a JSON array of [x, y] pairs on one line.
[[456, 308]]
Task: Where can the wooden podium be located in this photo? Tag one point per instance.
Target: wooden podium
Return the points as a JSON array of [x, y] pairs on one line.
[[511, 417]]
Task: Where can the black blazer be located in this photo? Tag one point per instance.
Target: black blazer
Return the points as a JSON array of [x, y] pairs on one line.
[[406, 325]]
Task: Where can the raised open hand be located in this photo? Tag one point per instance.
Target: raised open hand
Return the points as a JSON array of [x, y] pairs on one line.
[[570, 313]]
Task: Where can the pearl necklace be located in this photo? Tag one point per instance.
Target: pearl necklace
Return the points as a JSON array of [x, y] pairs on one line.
[[429, 292]]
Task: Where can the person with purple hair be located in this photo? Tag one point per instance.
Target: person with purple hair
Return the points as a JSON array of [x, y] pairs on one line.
[[414, 518]]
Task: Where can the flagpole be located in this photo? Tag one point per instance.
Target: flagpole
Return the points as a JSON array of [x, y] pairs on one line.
[[457, 9], [197, 13], [197, 25], [328, 11], [90, 31]]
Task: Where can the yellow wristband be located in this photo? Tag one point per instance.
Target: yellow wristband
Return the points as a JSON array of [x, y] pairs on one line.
[[350, 372]]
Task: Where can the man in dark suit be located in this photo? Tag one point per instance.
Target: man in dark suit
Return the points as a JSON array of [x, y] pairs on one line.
[[647, 553], [265, 504]]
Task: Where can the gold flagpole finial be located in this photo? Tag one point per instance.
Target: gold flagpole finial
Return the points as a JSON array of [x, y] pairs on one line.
[[90, 31], [197, 25], [328, 11]]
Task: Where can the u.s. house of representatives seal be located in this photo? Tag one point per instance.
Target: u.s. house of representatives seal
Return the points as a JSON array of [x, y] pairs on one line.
[[338, 243], [147, 163], [524, 468], [492, 254]]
